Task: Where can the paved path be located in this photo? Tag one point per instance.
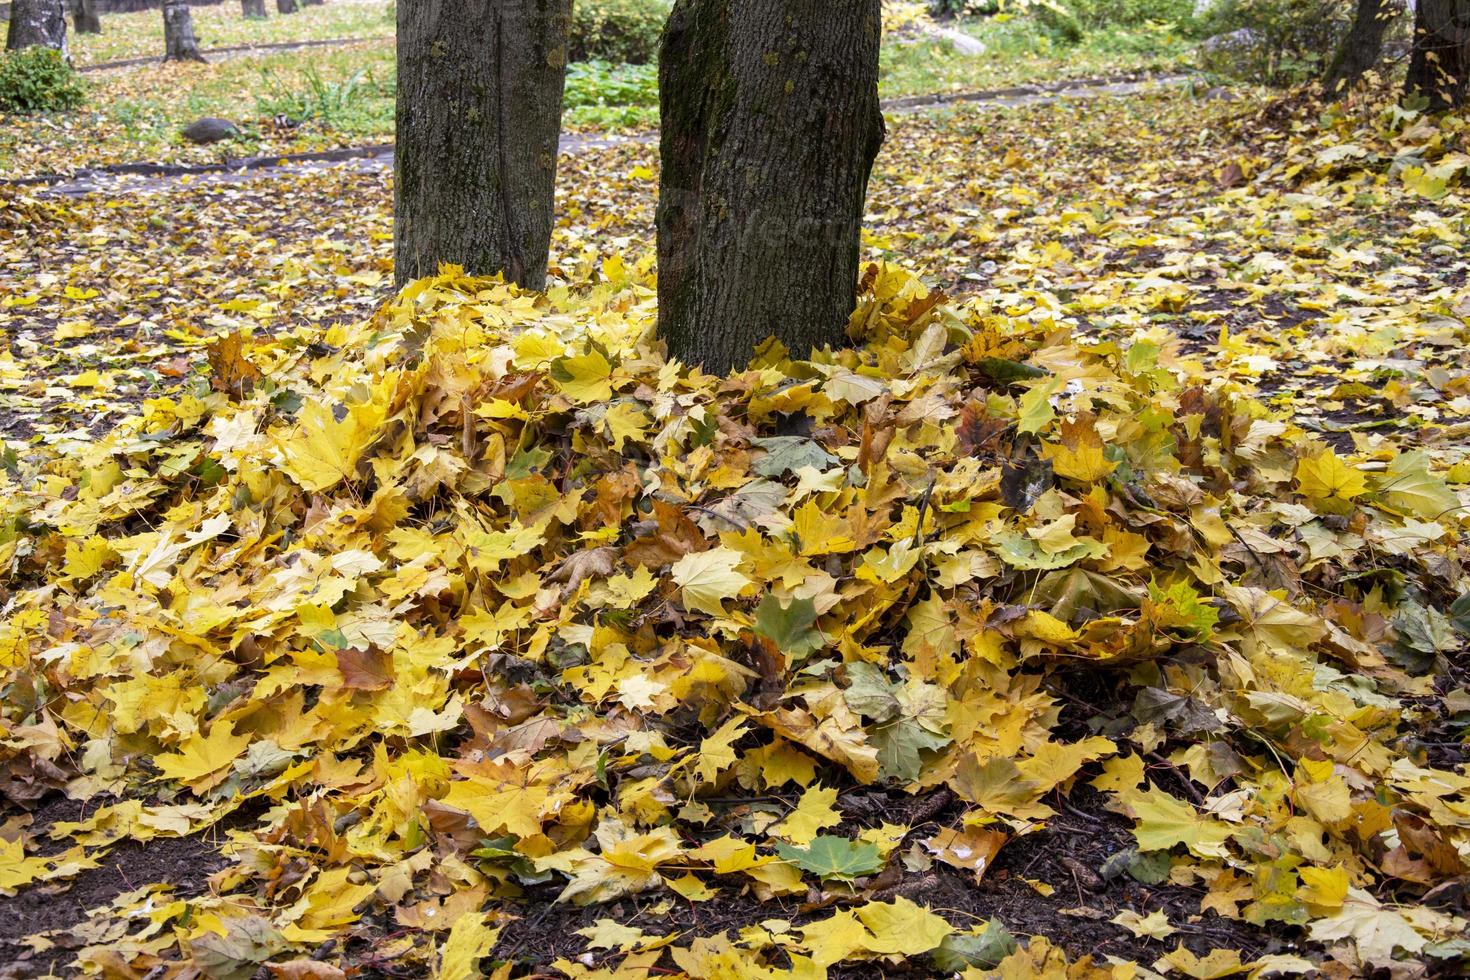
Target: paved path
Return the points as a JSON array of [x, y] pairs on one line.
[[148, 178]]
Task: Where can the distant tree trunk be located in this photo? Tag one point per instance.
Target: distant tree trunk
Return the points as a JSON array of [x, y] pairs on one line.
[[480, 86], [311, 3], [290, 6], [253, 8], [770, 124], [179, 43], [1440, 66], [37, 22], [84, 17], [1362, 47]]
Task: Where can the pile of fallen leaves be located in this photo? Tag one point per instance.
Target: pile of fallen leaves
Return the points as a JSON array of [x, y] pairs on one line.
[[483, 602]]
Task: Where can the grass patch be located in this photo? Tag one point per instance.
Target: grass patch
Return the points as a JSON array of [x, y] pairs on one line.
[[140, 35]]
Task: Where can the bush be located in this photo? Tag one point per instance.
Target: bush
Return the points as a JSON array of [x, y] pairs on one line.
[[963, 8], [1274, 42], [38, 80], [607, 95], [1070, 20], [624, 31]]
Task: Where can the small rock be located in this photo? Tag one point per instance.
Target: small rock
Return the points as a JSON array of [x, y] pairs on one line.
[[210, 130], [963, 43], [1241, 40]]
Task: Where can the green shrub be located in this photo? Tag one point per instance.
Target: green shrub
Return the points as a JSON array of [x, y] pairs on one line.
[[38, 80], [625, 31], [1274, 42], [612, 96], [963, 8], [1070, 20], [334, 104]]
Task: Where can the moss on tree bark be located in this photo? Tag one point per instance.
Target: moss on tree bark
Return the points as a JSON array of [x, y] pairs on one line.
[[480, 86], [770, 125]]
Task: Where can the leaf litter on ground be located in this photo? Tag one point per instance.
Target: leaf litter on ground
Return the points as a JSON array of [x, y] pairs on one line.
[[477, 601]]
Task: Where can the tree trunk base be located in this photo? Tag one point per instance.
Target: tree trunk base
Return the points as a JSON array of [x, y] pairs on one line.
[[480, 86], [770, 125]]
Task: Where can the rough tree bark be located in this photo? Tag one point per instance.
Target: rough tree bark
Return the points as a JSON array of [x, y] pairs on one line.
[[84, 17], [287, 6], [179, 43], [480, 86], [1361, 49], [1440, 65], [770, 124], [37, 22], [253, 8]]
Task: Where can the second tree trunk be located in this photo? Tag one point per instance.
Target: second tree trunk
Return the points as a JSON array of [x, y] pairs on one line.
[[253, 8], [1362, 47], [479, 115], [84, 17], [770, 125], [36, 23], [1440, 66], [179, 43]]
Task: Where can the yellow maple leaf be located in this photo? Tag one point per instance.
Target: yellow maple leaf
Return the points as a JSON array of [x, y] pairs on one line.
[[1164, 821], [813, 814], [1325, 476], [1080, 456], [903, 927], [324, 450], [708, 578], [585, 377], [471, 939], [716, 752], [200, 756]]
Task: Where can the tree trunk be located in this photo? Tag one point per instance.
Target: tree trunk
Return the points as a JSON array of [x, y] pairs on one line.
[[1440, 66], [1362, 47], [480, 87], [290, 6], [253, 8], [84, 17], [178, 32], [770, 124], [37, 22]]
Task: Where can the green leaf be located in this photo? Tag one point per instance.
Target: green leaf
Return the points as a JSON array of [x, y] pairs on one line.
[[1020, 551], [985, 950], [899, 746], [869, 693], [787, 454], [834, 857], [1036, 411], [1408, 486], [1004, 371], [790, 628]]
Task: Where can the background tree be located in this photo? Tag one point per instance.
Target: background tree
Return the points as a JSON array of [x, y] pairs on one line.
[[37, 22], [287, 6], [84, 17], [770, 124], [253, 8], [480, 86], [1439, 68], [1362, 46], [179, 43]]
